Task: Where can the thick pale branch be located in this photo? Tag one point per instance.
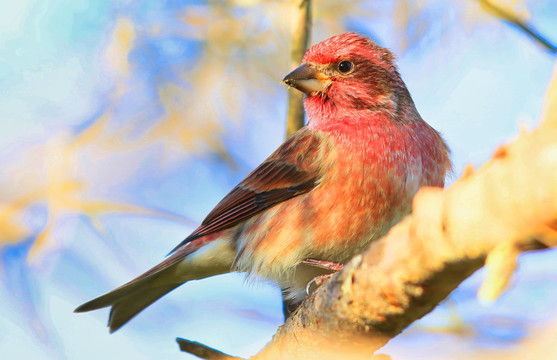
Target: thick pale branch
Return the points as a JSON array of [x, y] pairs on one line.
[[510, 203]]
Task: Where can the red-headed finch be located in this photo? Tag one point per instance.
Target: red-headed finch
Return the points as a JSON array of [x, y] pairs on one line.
[[332, 188]]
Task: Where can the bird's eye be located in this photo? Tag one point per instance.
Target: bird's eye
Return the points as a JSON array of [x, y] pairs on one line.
[[345, 66]]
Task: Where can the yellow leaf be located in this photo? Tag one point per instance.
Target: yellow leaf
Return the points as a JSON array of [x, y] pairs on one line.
[[500, 265], [11, 228]]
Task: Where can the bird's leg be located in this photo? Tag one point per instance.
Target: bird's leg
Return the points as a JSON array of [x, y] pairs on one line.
[[324, 264], [289, 305]]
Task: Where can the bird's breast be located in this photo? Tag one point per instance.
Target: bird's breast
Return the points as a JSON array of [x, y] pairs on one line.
[[366, 187], [369, 188]]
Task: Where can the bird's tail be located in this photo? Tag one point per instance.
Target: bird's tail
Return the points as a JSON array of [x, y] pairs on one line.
[[131, 298], [128, 300]]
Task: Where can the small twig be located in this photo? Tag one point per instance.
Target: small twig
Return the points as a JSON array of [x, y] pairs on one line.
[[203, 351], [517, 21], [301, 30]]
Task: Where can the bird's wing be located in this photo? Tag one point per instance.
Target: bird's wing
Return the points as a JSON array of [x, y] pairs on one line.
[[290, 171]]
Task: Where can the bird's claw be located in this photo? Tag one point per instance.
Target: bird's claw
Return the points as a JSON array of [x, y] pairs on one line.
[[318, 280]]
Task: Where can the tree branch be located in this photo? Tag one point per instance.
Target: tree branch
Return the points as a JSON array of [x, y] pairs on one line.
[[514, 19], [203, 351], [301, 31]]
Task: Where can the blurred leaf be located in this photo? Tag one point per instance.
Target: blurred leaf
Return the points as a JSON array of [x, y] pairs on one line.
[[12, 229], [122, 41]]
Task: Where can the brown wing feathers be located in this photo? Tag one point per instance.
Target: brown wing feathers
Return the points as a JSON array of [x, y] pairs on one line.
[[289, 172], [292, 170]]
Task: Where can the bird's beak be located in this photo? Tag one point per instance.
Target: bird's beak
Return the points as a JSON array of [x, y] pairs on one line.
[[306, 79]]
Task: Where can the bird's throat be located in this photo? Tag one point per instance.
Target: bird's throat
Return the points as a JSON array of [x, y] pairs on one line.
[[326, 114]]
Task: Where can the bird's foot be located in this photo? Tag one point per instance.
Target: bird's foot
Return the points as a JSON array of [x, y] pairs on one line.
[[324, 264]]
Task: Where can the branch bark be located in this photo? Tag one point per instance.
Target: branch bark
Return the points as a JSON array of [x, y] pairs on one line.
[[301, 32]]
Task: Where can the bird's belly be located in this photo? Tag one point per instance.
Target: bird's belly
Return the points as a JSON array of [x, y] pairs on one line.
[[352, 213]]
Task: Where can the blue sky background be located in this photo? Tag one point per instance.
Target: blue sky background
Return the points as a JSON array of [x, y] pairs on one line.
[[123, 123]]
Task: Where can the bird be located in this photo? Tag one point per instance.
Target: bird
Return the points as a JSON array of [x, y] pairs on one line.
[[331, 189]]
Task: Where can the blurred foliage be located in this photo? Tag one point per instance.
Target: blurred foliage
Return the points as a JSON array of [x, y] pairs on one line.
[[236, 44], [205, 63]]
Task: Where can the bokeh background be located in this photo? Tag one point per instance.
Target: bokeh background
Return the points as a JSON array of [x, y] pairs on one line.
[[122, 123]]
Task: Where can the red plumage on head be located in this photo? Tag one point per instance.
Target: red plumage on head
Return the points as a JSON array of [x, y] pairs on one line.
[[343, 46], [372, 91]]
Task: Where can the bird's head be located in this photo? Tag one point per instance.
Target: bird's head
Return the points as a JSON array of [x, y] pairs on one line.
[[347, 73]]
